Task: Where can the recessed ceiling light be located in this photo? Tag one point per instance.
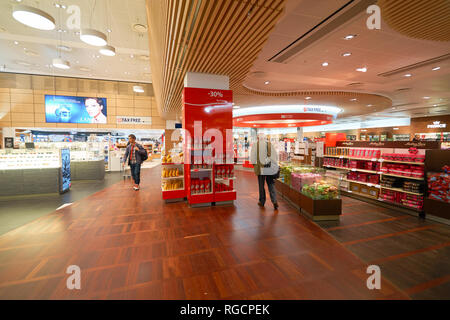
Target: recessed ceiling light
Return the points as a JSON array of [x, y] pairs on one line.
[[436, 68], [85, 69], [33, 17], [141, 28], [426, 98], [308, 98], [370, 105], [64, 48], [395, 128], [363, 69], [16, 42], [349, 36], [353, 99], [61, 64], [93, 37], [139, 89], [131, 56], [408, 75], [346, 54], [30, 53], [108, 30], [435, 105], [324, 64], [267, 82], [108, 51]]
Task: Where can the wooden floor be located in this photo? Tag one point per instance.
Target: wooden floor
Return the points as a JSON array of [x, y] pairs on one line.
[[131, 245]]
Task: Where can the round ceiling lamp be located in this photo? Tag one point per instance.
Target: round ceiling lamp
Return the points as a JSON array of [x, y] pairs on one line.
[[33, 17], [139, 89], [61, 64], [108, 51], [93, 37]]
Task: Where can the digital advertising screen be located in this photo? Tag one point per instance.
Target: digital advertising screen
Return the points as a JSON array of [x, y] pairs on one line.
[[66, 109]]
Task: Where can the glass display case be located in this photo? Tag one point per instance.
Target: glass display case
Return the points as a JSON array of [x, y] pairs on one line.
[[321, 189], [29, 159]]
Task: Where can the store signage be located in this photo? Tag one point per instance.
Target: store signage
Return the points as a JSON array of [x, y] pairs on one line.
[[390, 144], [134, 120], [9, 142], [436, 124]]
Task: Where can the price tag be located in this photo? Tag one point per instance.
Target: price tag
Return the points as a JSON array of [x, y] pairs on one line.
[[341, 157], [353, 169], [369, 184], [373, 159]]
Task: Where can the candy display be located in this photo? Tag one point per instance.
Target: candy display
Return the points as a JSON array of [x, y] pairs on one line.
[[438, 185], [405, 157], [221, 187], [363, 177], [321, 190], [172, 185], [171, 172], [403, 170], [224, 171], [172, 158], [199, 186], [409, 200], [298, 180]]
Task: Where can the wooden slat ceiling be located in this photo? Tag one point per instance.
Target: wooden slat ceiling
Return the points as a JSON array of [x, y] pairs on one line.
[[428, 20], [211, 36]]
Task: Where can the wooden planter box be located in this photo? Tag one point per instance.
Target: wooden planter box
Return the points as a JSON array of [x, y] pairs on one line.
[[319, 210]]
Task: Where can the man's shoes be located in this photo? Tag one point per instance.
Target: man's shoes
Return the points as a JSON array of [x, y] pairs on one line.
[[275, 205], [260, 204], [136, 187]]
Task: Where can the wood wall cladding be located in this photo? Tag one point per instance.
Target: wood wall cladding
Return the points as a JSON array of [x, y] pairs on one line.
[[22, 100], [220, 37], [426, 20]]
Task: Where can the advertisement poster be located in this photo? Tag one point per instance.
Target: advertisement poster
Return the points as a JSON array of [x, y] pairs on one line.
[[65, 170], [9, 142], [67, 109]]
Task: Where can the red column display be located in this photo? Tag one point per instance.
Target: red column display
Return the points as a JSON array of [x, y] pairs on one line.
[[209, 165]]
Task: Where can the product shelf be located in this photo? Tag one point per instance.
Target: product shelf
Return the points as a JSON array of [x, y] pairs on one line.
[[354, 169], [172, 190], [224, 179], [170, 178], [403, 162], [201, 194], [172, 164], [200, 170], [401, 190], [365, 183], [362, 195], [400, 205], [219, 192], [400, 176]]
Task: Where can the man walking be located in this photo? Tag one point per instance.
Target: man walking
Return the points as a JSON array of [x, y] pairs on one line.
[[265, 162], [135, 155]]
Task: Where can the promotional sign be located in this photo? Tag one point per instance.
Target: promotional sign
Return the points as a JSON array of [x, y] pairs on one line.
[[436, 124], [133, 120], [67, 109]]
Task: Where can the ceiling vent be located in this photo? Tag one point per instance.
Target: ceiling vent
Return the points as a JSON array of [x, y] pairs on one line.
[[328, 25], [414, 66]]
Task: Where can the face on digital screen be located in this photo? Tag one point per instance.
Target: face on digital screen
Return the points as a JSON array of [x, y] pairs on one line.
[[93, 107]]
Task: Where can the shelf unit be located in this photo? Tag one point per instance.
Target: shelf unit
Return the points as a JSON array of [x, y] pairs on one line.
[[179, 193], [384, 147]]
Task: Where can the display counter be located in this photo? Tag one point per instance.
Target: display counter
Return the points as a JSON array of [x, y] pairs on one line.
[[309, 190], [87, 170], [25, 172]]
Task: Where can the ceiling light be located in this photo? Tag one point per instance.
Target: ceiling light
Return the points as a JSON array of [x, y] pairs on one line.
[[395, 128], [370, 105], [108, 51], [435, 105], [353, 99], [64, 48], [346, 54], [324, 64], [350, 36], [426, 98], [364, 69], [138, 89], [267, 82], [61, 64], [141, 28], [33, 17], [436, 68], [308, 98], [131, 56], [108, 30], [408, 75], [93, 37], [16, 42]]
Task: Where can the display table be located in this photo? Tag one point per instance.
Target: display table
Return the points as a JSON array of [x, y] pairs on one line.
[[87, 170], [317, 210]]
